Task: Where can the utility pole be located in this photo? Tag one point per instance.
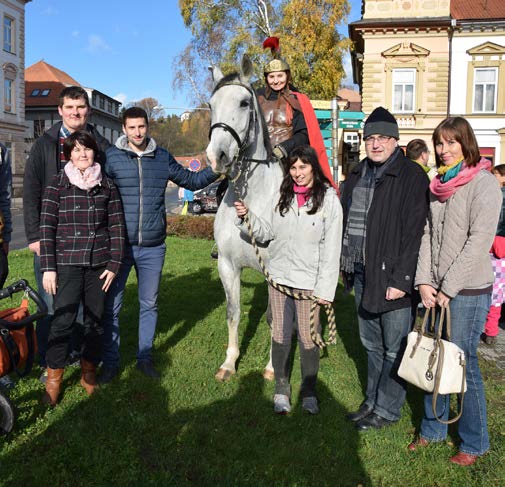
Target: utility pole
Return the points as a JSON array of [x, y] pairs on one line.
[[334, 138]]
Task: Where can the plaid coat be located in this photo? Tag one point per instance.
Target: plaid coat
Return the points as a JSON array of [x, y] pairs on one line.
[[81, 228]]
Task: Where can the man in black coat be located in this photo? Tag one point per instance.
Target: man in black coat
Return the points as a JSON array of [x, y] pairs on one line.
[[385, 203], [46, 159]]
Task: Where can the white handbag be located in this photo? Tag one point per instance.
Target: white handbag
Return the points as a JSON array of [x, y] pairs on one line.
[[433, 364]]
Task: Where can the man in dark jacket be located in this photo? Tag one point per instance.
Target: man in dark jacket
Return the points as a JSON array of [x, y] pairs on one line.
[[141, 171], [46, 159], [385, 203]]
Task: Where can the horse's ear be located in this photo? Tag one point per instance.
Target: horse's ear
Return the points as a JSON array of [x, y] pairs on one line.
[[246, 68], [217, 74]]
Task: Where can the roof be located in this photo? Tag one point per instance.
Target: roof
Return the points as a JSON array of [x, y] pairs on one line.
[[477, 9], [42, 93], [43, 84], [42, 71]]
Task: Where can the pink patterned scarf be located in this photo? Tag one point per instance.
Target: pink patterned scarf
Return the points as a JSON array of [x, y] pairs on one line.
[[86, 180], [443, 191], [302, 194]]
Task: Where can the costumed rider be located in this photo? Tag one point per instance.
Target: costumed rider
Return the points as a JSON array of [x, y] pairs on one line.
[[289, 115]]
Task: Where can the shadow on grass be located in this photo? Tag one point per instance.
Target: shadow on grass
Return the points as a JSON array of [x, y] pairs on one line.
[[234, 441], [183, 301]]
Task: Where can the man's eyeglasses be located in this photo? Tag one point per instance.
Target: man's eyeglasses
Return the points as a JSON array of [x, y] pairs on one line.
[[380, 139]]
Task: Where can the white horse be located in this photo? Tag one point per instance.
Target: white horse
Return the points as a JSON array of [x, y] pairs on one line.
[[239, 147]]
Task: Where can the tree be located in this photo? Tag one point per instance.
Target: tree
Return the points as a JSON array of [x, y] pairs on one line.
[[151, 106], [223, 30]]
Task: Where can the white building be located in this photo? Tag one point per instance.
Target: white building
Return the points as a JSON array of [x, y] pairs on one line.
[[12, 98]]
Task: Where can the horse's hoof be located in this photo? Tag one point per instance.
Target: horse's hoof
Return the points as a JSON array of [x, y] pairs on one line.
[[224, 374], [268, 374]]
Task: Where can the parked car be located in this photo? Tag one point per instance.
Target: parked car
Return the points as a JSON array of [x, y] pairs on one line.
[[205, 200]]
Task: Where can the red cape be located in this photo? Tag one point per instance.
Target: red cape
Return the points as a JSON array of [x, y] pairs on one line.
[[315, 137]]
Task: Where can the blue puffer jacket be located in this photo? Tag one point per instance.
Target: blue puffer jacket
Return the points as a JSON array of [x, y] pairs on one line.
[[142, 180]]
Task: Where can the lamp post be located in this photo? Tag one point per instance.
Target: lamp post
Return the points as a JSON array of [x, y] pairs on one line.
[[334, 138]]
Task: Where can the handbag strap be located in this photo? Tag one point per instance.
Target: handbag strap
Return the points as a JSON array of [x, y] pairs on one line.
[[436, 385]]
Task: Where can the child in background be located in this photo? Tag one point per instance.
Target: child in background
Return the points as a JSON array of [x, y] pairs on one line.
[[491, 327]]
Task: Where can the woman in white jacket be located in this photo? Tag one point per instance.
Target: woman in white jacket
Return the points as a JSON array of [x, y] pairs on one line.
[[304, 229], [454, 270]]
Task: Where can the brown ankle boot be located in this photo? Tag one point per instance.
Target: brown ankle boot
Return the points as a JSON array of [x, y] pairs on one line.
[[88, 376], [53, 384]]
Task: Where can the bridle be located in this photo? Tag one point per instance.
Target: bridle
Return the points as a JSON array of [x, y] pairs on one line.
[[242, 145]]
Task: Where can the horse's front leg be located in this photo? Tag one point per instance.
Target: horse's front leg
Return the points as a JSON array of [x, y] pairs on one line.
[[230, 277]]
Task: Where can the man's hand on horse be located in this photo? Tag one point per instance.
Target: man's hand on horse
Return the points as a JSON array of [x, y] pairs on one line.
[[241, 209]]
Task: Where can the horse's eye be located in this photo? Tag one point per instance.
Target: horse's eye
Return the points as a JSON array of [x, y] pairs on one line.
[[244, 104]]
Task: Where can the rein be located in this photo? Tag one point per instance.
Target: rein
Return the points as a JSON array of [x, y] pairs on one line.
[[330, 312]]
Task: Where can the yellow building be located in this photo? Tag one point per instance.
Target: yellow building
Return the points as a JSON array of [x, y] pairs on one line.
[[403, 60]]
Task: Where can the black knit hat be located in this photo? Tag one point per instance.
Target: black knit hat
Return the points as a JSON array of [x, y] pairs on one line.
[[381, 122]]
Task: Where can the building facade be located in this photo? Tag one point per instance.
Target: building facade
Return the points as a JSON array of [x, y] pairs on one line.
[[12, 99], [429, 59]]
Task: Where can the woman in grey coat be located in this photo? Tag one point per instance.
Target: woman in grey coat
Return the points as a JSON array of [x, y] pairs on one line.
[[454, 271], [304, 231]]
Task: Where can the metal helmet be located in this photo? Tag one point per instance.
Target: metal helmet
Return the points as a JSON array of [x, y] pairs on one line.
[[276, 65]]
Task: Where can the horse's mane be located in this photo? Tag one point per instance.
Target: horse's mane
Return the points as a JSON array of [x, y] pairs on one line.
[[236, 77]]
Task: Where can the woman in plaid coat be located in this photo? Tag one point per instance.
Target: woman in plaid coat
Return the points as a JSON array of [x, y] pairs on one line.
[[83, 232]]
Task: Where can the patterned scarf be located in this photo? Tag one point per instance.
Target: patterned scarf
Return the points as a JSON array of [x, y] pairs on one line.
[[353, 243], [86, 180], [444, 190]]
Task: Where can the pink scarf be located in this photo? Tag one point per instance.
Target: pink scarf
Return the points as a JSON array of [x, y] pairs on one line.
[[86, 180], [302, 194], [443, 191]]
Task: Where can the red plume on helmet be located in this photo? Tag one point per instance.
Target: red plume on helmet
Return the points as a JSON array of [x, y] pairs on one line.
[[272, 43]]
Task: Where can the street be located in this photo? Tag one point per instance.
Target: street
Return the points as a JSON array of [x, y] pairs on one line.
[[18, 239]]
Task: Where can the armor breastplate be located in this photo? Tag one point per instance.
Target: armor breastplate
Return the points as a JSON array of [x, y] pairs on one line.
[[274, 112]]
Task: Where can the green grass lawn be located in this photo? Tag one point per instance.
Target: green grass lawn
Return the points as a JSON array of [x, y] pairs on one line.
[[188, 429]]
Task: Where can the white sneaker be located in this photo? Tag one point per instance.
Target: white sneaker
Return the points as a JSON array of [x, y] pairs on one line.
[[281, 404], [310, 405]]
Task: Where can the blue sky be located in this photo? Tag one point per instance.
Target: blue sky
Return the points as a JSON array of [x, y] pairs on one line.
[[123, 48]]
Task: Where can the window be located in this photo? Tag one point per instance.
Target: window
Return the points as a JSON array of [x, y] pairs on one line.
[[35, 93], [8, 95], [45, 92], [8, 34], [109, 106], [485, 83], [403, 90], [102, 102]]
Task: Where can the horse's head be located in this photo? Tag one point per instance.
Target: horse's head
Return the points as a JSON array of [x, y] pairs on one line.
[[234, 117]]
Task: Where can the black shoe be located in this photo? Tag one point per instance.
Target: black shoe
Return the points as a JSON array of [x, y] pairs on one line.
[[214, 254], [107, 374], [363, 411], [373, 421], [148, 369]]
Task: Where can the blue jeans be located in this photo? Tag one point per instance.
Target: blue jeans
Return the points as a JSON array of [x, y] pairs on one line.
[[468, 315], [148, 264], [42, 328], [384, 337]]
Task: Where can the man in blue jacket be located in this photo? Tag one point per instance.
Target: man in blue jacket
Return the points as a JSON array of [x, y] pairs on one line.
[[141, 171]]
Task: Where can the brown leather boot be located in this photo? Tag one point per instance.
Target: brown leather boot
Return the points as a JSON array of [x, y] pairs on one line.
[[53, 384], [88, 376]]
